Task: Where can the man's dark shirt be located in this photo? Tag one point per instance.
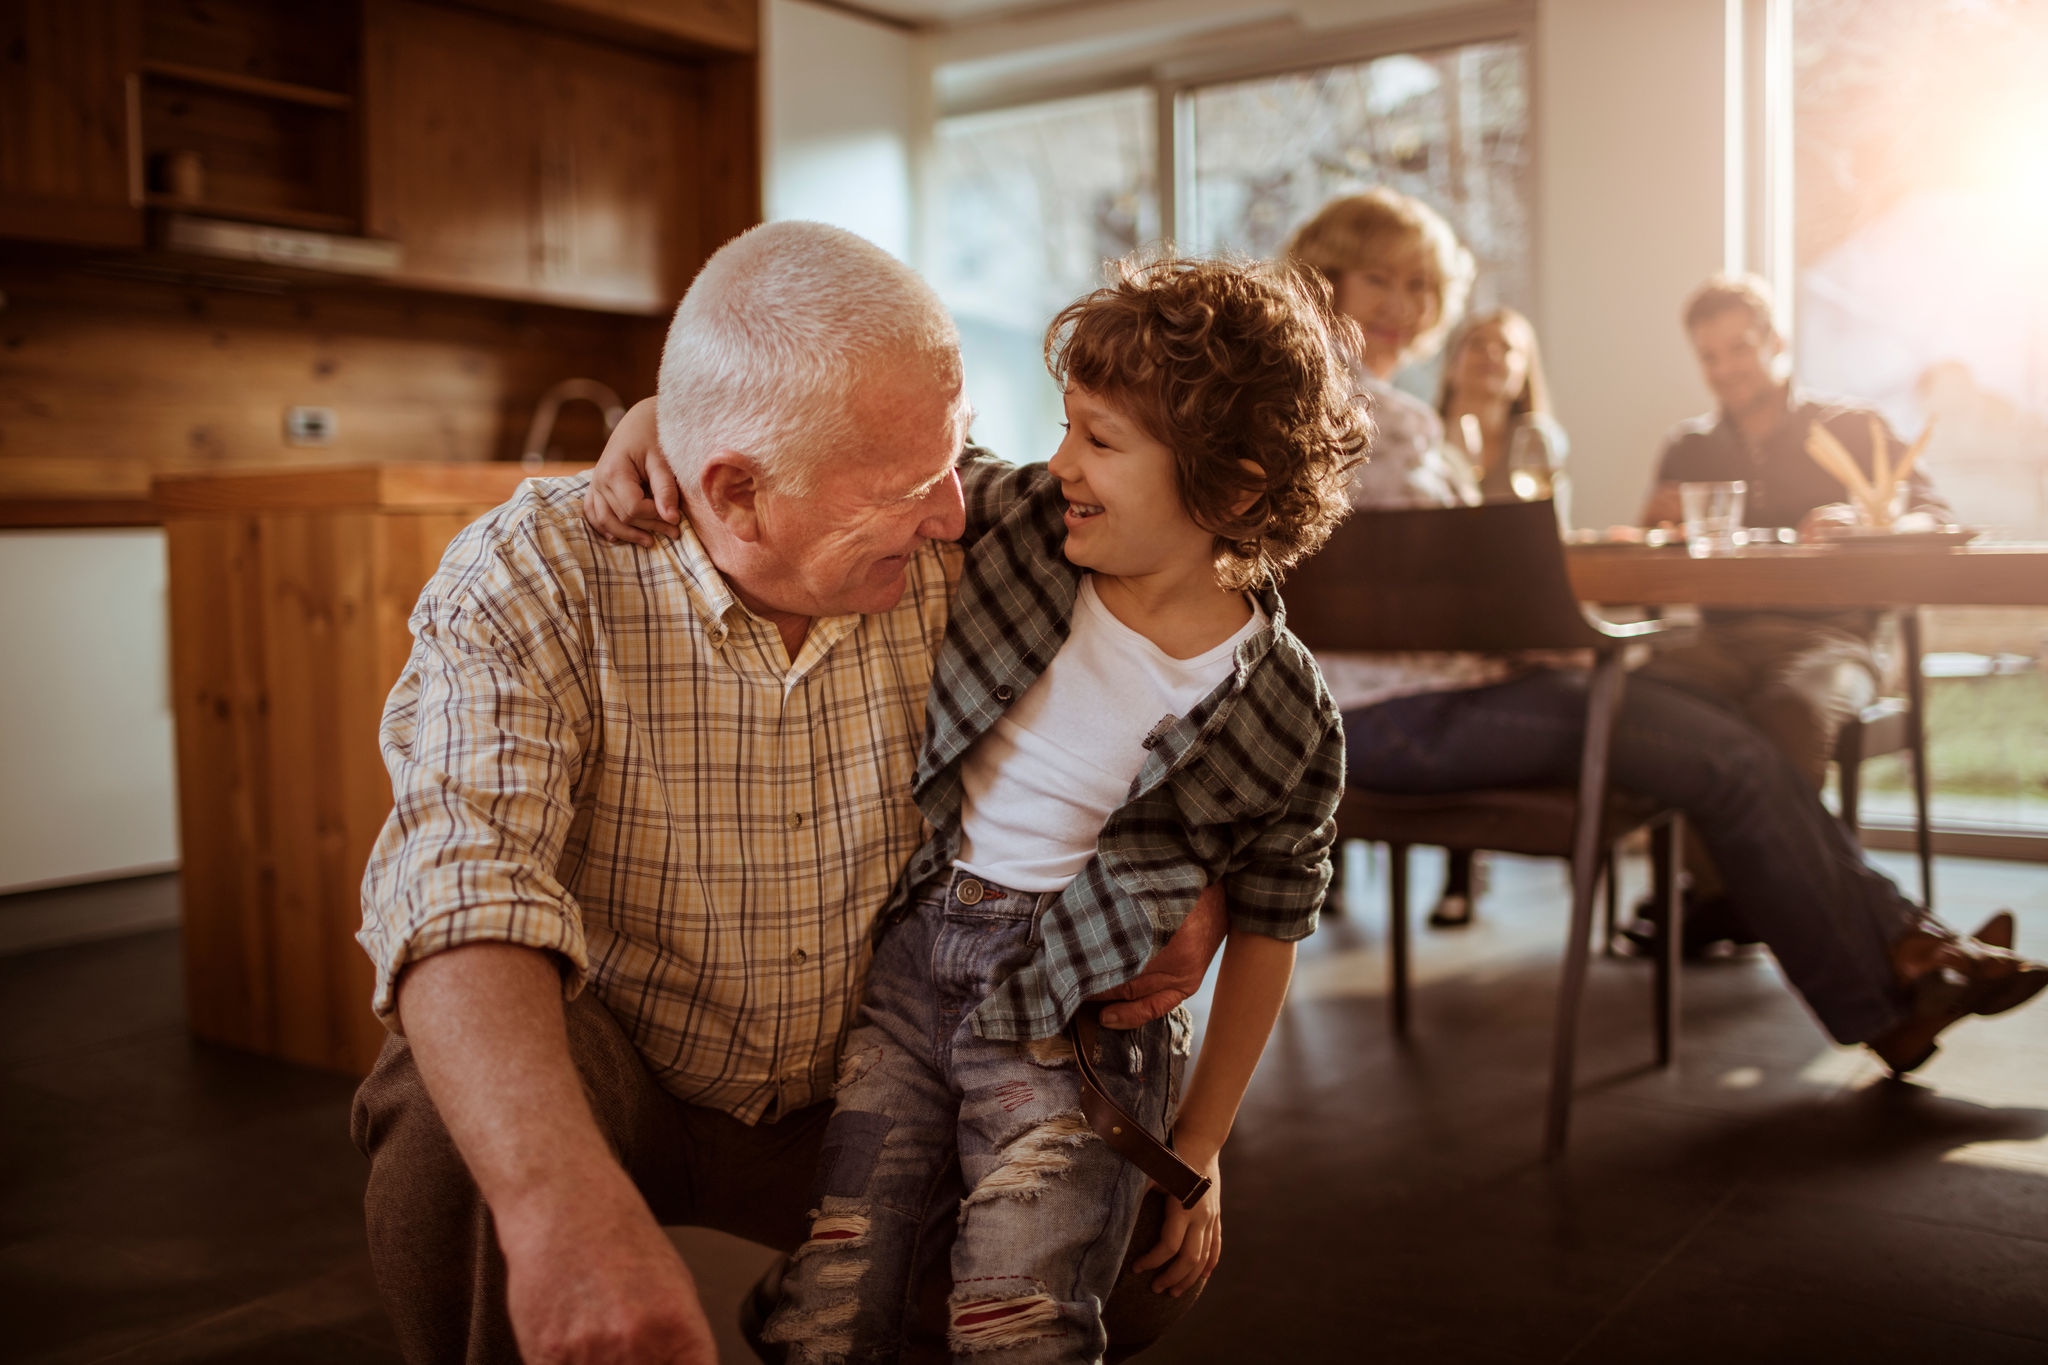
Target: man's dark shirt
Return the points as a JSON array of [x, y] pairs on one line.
[[1784, 482]]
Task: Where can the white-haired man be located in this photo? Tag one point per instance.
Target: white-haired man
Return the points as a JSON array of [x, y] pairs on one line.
[[668, 784]]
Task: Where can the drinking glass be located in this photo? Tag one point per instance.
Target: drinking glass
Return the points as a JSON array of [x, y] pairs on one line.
[[1532, 461], [1713, 517]]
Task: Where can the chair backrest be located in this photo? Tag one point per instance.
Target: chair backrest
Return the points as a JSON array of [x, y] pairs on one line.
[[1485, 578]]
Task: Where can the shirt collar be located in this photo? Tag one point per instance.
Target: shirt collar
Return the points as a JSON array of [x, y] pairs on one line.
[[709, 592]]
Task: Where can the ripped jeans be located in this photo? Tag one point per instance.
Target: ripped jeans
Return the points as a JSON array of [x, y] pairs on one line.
[[1049, 1208]]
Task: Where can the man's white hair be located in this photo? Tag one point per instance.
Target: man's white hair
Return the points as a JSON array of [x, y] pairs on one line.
[[775, 339]]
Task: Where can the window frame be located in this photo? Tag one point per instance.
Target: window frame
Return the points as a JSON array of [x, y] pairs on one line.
[[1175, 76]]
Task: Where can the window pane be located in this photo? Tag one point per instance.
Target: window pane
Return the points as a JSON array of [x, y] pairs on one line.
[[1029, 202], [1921, 203], [1448, 127]]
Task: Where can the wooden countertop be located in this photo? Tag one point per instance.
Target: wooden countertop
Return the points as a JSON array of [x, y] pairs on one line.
[[393, 486]]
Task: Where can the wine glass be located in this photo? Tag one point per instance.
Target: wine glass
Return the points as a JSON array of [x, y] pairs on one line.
[[1532, 461]]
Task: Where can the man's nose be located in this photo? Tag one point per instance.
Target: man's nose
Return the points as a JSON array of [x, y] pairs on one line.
[[945, 510]]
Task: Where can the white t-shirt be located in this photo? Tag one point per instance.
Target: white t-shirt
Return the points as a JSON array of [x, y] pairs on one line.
[[1040, 784]]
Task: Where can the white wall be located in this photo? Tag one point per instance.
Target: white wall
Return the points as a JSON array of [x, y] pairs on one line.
[[840, 109], [1630, 117], [87, 786]]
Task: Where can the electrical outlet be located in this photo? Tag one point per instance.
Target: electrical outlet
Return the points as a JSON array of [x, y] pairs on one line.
[[309, 426]]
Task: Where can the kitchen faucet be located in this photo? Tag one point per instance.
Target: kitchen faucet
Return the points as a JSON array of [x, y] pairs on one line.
[[550, 406]]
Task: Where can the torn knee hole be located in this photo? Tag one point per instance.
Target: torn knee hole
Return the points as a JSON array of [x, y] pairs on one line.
[[834, 1232], [815, 1334], [1033, 1158], [1055, 1051], [990, 1324]]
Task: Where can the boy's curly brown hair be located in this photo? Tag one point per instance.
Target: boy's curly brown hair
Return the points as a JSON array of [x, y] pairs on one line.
[[1236, 367]]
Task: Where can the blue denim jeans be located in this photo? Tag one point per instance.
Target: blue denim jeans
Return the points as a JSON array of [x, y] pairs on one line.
[[1798, 879], [1049, 1207]]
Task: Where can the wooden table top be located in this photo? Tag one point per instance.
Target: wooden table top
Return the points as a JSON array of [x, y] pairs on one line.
[[1814, 576]]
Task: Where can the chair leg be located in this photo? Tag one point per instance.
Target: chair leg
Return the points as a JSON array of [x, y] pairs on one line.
[[1603, 698], [1670, 945], [1611, 911], [1849, 774], [1916, 741], [1397, 936]]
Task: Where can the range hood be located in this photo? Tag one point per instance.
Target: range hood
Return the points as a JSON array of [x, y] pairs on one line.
[[227, 240]]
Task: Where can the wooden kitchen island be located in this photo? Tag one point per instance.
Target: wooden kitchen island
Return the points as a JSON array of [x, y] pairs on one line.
[[289, 594]]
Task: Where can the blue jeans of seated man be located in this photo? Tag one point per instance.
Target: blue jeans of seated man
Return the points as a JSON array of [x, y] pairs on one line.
[[1799, 880], [1049, 1207]]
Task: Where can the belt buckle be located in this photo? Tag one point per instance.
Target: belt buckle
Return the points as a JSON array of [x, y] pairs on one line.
[[968, 890]]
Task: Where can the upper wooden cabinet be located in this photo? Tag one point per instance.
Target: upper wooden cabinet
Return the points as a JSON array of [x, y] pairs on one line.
[[520, 162], [65, 172], [588, 153]]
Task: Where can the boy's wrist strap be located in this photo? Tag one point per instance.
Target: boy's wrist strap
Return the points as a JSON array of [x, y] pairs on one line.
[[1125, 1135]]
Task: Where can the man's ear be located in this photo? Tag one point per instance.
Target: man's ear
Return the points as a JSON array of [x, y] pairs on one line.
[[730, 485]]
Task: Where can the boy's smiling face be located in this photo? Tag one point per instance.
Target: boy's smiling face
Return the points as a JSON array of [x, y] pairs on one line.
[[1124, 517]]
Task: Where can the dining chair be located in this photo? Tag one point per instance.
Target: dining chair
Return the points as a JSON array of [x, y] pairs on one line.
[[1892, 725], [1491, 579]]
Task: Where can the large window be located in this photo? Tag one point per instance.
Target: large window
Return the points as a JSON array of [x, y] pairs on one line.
[[1920, 213], [1447, 127], [1028, 202]]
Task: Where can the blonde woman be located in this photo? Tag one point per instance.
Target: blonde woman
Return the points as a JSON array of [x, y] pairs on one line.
[[1398, 271]]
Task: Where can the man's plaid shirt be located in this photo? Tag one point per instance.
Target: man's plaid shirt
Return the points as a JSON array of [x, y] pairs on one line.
[[1242, 789], [597, 751]]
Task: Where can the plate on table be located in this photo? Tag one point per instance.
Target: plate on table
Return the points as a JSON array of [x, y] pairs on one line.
[[1874, 538]]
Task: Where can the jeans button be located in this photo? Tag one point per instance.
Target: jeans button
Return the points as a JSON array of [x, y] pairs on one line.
[[968, 891]]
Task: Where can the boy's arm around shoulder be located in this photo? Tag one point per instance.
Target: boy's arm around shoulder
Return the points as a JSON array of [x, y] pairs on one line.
[[992, 488]]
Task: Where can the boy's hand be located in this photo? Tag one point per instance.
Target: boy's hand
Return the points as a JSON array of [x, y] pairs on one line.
[[633, 493], [1191, 1240], [1175, 971]]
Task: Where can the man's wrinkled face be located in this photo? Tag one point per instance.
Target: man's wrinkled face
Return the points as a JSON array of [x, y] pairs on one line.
[[1739, 358], [845, 546]]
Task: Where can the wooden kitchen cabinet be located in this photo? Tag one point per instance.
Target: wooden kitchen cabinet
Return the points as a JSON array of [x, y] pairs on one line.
[[520, 162], [289, 595], [65, 172]]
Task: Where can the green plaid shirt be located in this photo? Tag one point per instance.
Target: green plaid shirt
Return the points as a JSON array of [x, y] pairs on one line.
[[1243, 789]]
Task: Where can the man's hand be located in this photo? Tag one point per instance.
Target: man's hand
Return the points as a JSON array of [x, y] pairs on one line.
[[591, 1279], [1175, 971], [633, 492], [1822, 521], [601, 1285]]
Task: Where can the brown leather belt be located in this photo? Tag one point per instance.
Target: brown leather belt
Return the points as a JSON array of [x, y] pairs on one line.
[[1125, 1135]]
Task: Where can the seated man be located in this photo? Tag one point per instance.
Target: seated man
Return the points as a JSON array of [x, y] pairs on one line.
[[649, 799], [1797, 676]]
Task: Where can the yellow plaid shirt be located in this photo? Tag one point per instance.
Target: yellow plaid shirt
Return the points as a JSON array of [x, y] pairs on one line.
[[595, 750]]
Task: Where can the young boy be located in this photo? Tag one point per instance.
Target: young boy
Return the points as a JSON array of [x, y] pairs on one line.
[[1118, 717]]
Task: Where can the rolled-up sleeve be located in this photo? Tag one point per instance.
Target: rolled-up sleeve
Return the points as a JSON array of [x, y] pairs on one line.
[[1279, 889], [483, 737]]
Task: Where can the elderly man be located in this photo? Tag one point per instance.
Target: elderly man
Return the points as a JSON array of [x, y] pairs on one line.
[[649, 799]]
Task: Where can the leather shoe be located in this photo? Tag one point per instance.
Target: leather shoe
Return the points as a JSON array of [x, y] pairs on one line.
[[1947, 978], [1996, 931], [1452, 912]]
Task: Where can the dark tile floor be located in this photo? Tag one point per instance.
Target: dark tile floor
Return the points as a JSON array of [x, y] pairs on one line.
[[1769, 1199]]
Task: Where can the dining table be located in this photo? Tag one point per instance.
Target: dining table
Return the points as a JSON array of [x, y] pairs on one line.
[[1814, 576]]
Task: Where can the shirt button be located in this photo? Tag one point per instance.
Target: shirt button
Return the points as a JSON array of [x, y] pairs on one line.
[[798, 957], [796, 819], [1003, 693]]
